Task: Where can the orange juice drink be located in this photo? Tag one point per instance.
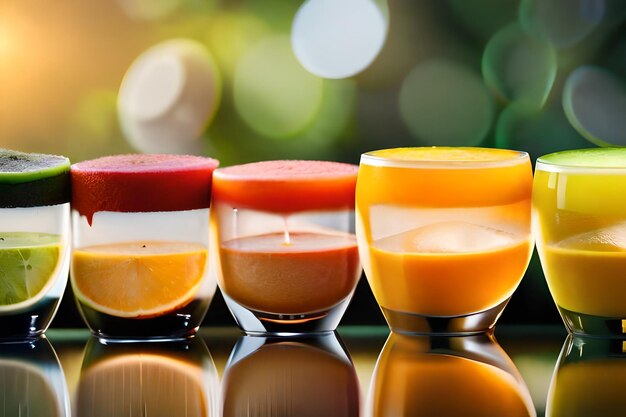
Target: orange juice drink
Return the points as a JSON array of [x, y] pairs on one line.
[[444, 234], [579, 212]]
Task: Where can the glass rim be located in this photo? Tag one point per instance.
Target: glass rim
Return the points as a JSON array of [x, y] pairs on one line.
[[380, 161], [548, 166]]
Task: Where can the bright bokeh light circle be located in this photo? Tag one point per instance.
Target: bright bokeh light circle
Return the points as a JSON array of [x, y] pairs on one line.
[[338, 38], [446, 104], [594, 101], [273, 94], [563, 22], [519, 67], [168, 96]]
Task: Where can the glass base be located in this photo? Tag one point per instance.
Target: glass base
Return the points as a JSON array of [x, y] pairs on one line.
[[259, 323], [594, 326], [178, 324], [29, 323], [410, 323]]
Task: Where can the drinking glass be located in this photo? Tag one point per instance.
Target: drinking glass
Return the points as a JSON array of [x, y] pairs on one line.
[[579, 220], [140, 265], [34, 241], [287, 259], [444, 234]]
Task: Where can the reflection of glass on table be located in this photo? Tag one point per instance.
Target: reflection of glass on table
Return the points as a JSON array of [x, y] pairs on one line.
[[447, 376], [162, 379], [589, 379], [296, 376], [32, 382]]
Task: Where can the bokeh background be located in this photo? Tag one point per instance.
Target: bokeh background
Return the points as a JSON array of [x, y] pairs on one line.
[[248, 80]]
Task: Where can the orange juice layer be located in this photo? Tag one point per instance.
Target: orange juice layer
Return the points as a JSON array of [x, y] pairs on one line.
[[447, 284], [589, 389], [586, 281], [443, 385], [312, 273], [464, 178], [138, 279]]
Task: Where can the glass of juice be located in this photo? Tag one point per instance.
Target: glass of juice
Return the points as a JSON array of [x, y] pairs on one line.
[[34, 240], [287, 258], [297, 376], [141, 236], [579, 221], [444, 234], [588, 379], [447, 376], [32, 380], [172, 378]]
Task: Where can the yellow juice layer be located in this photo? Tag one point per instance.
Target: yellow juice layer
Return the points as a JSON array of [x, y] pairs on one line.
[[138, 279], [443, 385], [589, 389], [569, 203], [447, 284], [585, 281]]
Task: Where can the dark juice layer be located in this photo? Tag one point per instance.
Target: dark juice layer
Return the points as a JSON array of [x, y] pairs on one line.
[[178, 323]]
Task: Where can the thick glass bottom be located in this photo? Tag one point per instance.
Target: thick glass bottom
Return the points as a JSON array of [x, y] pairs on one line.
[[29, 323], [594, 326], [178, 324], [410, 323], [261, 323]]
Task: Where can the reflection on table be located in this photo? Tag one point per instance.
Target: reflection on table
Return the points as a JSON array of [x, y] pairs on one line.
[[447, 376], [31, 380], [158, 379], [589, 379], [282, 377], [313, 376]]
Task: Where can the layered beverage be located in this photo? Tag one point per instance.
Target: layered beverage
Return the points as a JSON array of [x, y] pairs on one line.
[[140, 263], [34, 240], [287, 258], [444, 234], [579, 213]]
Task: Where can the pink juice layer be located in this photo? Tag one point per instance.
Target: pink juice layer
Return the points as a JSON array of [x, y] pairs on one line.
[[312, 273]]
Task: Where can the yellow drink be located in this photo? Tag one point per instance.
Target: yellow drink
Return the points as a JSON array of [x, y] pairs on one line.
[[444, 232], [579, 208]]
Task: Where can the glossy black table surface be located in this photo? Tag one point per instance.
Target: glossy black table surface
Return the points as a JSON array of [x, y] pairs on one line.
[[359, 371]]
